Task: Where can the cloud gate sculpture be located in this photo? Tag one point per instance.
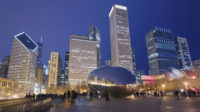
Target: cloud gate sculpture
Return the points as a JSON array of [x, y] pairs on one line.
[[117, 81]]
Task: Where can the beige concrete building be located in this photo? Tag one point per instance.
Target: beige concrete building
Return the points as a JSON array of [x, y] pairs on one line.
[[7, 88], [22, 64], [55, 65], [82, 60], [39, 77]]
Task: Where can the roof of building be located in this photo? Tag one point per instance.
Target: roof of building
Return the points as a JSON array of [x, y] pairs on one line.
[[26, 41]]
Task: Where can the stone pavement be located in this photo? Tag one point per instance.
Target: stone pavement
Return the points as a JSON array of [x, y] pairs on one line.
[[130, 104]]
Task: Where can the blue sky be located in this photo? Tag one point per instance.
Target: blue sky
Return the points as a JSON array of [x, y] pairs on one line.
[[55, 20]]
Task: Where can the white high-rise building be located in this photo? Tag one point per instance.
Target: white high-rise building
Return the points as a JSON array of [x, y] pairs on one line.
[[121, 54], [183, 53], [82, 60], [23, 63]]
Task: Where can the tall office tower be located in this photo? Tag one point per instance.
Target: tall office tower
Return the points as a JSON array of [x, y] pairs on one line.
[[45, 75], [39, 58], [82, 60], [22, 66], [95, 36], [39, 77], [161, 50], [133, 58], [62, 78], [55, 67], [120, 37], [183, 53], [66, 66], [4, 67]]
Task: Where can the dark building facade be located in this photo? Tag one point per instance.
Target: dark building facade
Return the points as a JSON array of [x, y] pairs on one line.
[[39, 57], [4, 67], [196, 62], [133, 59], [161, 50], [183, 53], [66, 67], [94, 35]]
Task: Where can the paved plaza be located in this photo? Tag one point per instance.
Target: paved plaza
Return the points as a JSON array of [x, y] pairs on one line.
[[129, 104]]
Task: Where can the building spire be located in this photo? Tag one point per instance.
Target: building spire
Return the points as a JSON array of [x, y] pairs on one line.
[[41, 39]]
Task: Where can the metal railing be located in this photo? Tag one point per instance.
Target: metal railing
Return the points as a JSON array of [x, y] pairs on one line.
[[25, 105]]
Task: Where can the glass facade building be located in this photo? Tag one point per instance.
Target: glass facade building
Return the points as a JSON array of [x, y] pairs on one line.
[[4, 67], [161, 50], [66, 66], [183, 53], [39, 58], [121, 54], [95, 36], [133, 58], [45, 75], [82, 60], [22, 66]]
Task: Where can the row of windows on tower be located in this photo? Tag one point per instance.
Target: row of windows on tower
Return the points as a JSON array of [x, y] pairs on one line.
[[165, 41], [165, 46], [167, 55]]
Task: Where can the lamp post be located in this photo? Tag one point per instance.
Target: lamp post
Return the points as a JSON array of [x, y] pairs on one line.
[[163, 86], [186, 85]]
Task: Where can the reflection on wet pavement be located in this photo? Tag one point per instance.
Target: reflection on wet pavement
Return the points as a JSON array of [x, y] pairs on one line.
[[129, 104]]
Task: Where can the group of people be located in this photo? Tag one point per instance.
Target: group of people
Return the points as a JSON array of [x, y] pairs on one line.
[[177, 93], [73, 95]]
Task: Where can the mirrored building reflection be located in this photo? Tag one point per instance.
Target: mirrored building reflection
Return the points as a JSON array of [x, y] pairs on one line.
[[117, 81]]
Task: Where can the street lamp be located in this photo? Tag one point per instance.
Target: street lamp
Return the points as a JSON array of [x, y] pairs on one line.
[[163, 86], [186, 84]]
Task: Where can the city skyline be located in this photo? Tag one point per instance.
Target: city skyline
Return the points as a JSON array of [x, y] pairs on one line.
[[179, 21]]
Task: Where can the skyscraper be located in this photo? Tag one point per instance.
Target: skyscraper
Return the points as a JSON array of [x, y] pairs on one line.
[[95, 36], [133, 58], [62, 78], [22, 64], [39, 57], [82, 60], [161, 50], [4, 67], [66, 66], [55, 65], [39, 77], [183, 53], [45, 75], [120, 37]]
